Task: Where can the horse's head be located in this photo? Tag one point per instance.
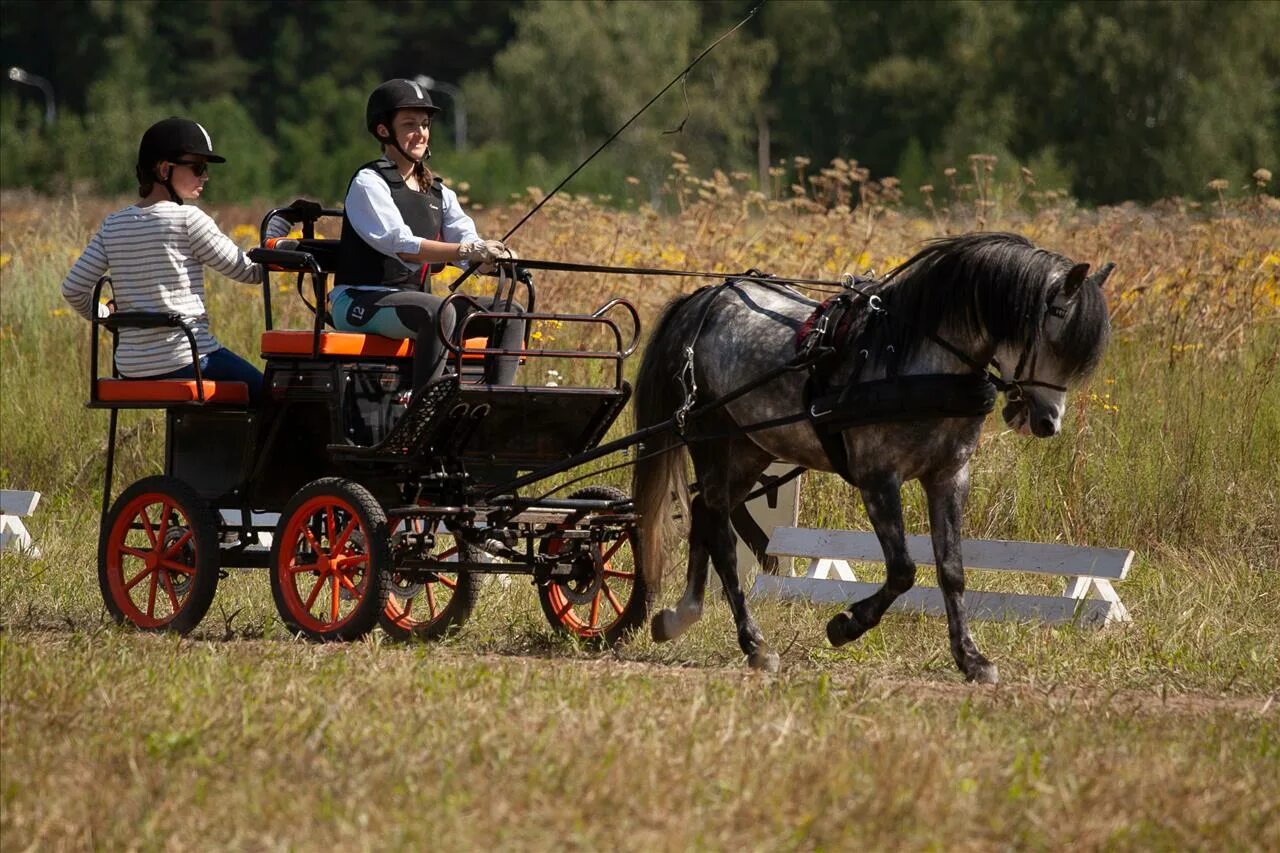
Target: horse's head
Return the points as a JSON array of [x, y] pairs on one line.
[[1064, 346]]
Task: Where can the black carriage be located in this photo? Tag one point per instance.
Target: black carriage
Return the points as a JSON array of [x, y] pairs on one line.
[[368, 508]]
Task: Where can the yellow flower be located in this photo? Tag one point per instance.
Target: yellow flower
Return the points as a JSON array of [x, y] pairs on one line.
[[4, 260], [243, 233], [59, 312], [448, 275]]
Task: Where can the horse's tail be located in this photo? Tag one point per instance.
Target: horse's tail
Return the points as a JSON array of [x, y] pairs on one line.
[[660, 472]]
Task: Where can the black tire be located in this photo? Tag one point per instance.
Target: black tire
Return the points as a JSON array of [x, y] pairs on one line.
[[335, 533], [621, 587], [173, 547], [400, 622]]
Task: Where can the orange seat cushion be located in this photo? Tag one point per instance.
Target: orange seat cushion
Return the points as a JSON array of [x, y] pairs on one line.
[[347, 344], [163, 392]]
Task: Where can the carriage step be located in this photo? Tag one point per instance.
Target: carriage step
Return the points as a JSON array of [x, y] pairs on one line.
[[414, 432]]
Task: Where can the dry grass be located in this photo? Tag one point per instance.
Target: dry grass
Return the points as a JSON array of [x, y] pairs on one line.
[[1162, 734]]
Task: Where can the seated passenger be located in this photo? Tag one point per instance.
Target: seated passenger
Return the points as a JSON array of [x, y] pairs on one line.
[[156, 251], [399, 219]]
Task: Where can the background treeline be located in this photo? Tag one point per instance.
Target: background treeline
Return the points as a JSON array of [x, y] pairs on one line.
[[1110, 101]]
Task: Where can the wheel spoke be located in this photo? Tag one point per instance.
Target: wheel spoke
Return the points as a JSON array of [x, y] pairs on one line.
[[613, 600], [151, 595], [604, 558], [444, 580], [133, 552], [308, 567], [146, 526], [329, 526], [431, 601], [168, 588], [404, 610], [346, 581], [165, 507], [139, 576], [311, 540], [175, 566], [315, 592], [334, 603], [347, 561], [341, 542], [611, 573], [595, 609], [182, 540]]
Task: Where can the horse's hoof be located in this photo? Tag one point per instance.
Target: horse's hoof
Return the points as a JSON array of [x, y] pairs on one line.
[[842, 629], [766, 661], [664, 627], [984, 672]]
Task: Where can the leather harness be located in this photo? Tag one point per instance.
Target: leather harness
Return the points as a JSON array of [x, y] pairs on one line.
[[848, 322]]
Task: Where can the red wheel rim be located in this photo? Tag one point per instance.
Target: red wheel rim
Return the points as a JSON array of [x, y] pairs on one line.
[[323, 566], [426, 606], [151, 560], [596, 617]]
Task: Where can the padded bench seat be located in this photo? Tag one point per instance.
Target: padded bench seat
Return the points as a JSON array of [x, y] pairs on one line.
[[349, 345], [167, 392]]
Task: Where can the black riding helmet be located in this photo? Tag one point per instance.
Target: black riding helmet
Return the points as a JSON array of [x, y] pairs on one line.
[[390, 97], [171, 139]]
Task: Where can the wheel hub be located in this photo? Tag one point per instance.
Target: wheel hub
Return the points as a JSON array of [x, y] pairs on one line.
[[583, 584]]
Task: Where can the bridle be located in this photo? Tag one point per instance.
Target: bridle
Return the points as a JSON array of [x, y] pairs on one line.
[[1013, 389]]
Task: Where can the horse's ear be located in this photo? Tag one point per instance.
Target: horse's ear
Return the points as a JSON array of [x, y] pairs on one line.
[[1100, 277], [1075, 278]]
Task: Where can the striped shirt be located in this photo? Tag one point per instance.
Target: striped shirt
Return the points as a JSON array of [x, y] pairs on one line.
[[156, 256]]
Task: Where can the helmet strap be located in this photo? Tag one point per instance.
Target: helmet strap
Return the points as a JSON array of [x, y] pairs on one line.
[[419, 165], [167, 183]]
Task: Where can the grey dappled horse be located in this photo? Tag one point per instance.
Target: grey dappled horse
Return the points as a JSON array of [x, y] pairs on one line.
[[995, 298]]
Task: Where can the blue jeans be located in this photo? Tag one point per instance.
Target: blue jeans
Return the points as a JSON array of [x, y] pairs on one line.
[[223, 365]]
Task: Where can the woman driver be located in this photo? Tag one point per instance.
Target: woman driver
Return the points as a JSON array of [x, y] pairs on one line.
[[398, 220]]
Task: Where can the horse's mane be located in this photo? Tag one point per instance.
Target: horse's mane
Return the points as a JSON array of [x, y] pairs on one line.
[[992, 283]]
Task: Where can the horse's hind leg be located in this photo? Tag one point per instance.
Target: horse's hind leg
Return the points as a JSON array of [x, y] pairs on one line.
[[884, 508], [946, 512], [670, 623], [723, 547]]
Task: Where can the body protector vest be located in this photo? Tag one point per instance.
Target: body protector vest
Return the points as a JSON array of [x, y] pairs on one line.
[[361, 264]]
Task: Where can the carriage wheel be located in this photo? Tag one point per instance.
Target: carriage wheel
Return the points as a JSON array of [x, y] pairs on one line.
[[158, 556], [329, 561], [605, 599], [430, 609]]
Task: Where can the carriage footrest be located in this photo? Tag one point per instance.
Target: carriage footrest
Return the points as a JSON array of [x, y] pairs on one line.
[[416, 429]]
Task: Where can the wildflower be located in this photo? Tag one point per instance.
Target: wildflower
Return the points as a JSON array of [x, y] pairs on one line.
[[1262, 176], [1218, 184], [633, 180], [59, 312], [4, 260]]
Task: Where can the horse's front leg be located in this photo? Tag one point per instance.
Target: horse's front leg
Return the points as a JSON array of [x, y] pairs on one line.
[[947, 497], [884, 507]]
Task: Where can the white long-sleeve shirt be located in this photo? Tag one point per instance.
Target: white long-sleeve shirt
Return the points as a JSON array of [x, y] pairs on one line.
[[156, 255], [374, 216]]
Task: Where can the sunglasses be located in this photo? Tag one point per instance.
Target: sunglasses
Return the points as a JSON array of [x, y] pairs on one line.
[[197, 169]]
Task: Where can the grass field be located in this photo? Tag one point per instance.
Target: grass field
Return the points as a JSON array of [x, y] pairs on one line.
[[1162, 734]]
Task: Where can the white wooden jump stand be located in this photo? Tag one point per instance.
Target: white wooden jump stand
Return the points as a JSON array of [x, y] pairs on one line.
[[1089, 596], [15, 506]]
